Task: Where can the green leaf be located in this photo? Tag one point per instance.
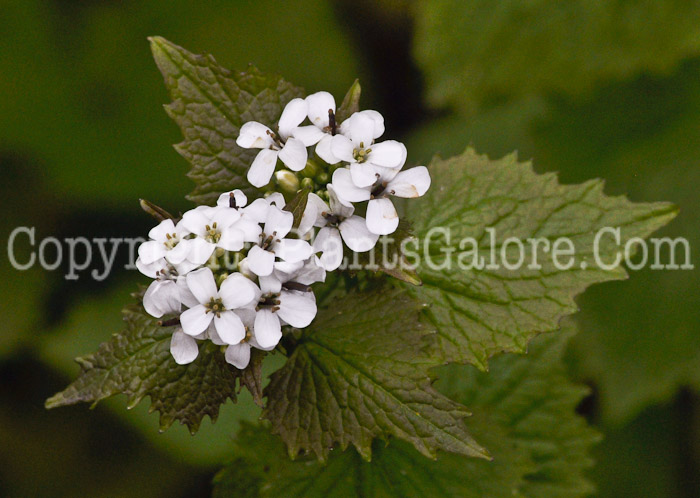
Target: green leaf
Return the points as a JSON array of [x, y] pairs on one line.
[[481, 312], [350, 104], [210, 104], [138, 363], [474, 52], [524, 412], [355, 375], [297, 205]]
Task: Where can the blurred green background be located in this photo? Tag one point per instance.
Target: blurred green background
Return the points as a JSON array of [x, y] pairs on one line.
[[605, 89]]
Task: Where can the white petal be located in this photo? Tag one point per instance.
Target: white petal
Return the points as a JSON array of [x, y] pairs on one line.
[[195, 220], [338, 208], [151, 251], [276, 199], [319, 208], [389, 154], [363, 174], [150, 270], [237, 291], [262, 168], [224, 217], [185, 267], [324, 150], [254, 135], [361, 130], [310, 273], [160, 231], [270, 285], [240, 199], [284, 270], [319, 105], [257, 345], [386, 174], [378, 121], [195, 320], [294, 154], [278, 222], [377, 118], [200, 251], [329, 243], [342, 148], [413, 182], [309, 135], [257, 210], [201, 283], [183, 348], [238, 355], [231, 239], [161, 298], [292, 250], [346, 190], [213, 335], [292, 116], [186, 296], [250, 229], [308, 219], [260, 262], [382, 217], [268, 330], [298, 310], [356, 234], [179, 253], [229, 327]]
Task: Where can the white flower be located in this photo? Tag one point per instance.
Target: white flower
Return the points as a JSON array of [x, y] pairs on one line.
[[324, 148], [273, 244], [357, 147], [166, 295], [281, 303], [167, 241], [338, 222], [218, 306], [290, 150], [238, 355], [382, 218], [214, 227]]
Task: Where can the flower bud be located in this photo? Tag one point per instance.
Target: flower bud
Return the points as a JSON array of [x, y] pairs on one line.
[[287, 181]]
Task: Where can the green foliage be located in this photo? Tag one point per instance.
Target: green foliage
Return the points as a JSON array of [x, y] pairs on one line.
[[475, 52], [138, 363], [354, 376], [640, 339], [210, 104], [524, 409], [480, 312]]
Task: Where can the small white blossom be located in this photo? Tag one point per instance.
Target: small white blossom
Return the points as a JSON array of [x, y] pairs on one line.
[[217, 305], [238, 355], [281, 303], [338, 223], [274, 244], [382, 218], [167, 242], [215, 227], [290, 150]]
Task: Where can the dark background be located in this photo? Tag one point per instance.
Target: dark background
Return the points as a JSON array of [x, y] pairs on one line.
[[611, 92]]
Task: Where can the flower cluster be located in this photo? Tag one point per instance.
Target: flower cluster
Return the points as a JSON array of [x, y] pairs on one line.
[[236, 273], [364, 174]]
